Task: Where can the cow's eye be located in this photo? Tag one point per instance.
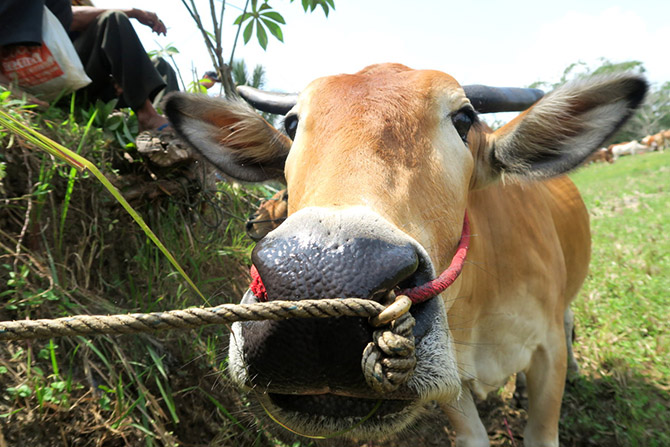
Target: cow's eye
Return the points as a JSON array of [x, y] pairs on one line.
[[291, 125], [463, 120]]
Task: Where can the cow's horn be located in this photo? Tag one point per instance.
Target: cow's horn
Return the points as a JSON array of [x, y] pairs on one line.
[[271, 102], [501, 99], [484, 99]]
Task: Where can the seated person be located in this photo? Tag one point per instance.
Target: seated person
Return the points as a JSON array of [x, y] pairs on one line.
[[108, 47]]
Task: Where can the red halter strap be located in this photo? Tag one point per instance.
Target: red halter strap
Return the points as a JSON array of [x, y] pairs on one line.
[[438, 285], [257, 286], [417, 294]]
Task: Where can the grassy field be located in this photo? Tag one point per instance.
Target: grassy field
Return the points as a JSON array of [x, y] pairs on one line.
[[623, 311], [66, 248]]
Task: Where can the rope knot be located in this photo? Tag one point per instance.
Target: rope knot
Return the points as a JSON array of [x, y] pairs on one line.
[[389, 360]]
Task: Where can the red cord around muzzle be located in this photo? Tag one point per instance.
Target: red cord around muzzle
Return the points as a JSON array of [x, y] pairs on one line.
[[417, 294]]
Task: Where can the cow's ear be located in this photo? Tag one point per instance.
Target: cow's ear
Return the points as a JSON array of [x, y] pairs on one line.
[[231, 135], [562, 129]]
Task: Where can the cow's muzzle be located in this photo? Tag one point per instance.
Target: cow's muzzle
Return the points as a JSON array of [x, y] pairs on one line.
[[312, 368]]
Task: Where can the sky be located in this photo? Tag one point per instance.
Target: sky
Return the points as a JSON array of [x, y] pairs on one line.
[[493, 42]]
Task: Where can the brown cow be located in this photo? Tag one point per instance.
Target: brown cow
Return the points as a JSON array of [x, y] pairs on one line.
[[269, 215], [658, 141], [604, 154], [666, 137], [382, 166]]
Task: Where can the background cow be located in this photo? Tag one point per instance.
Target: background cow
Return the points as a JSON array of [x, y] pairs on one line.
[[382, 166], [270, 214], [666, 137], [630, 148], [658, 141], [604, 154]]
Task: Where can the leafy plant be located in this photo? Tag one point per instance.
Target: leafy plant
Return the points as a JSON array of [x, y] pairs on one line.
[[121, 124], [109, 390], [168, 51], [257, 80], [261, 17]]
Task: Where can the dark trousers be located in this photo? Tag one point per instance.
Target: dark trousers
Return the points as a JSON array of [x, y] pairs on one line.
[[112, 56], [169, 76]]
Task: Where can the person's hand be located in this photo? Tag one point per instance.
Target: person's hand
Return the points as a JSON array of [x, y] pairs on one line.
[[149, 19]]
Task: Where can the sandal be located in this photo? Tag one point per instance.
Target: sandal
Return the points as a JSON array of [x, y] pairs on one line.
[[162, 147]]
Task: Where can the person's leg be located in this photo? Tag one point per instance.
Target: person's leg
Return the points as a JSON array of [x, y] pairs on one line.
[[115, 60], [168, 74]]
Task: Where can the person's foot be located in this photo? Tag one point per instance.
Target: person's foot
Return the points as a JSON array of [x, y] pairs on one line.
[[148, 118], [163, 147], [153, 122]]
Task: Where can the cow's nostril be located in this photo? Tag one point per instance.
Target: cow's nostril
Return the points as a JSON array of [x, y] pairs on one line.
[[329, 267]]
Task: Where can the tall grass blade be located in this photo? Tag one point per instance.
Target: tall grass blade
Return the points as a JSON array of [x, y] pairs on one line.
[[70, 183], [52, 355], [80, 163], [169, 401]]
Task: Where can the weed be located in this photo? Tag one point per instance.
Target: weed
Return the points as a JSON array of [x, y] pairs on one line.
[[65, 248]]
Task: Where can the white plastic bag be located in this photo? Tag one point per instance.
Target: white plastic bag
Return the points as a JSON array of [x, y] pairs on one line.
[[49, 69]]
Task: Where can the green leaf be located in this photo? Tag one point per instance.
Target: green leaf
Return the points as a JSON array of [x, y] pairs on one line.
[[313, 4], [264, 6], [262, 36], [273, 15], [274, 29], [127, 133], [59, 386], [21, 391], [114, 123], [247, 32], [242, 18]]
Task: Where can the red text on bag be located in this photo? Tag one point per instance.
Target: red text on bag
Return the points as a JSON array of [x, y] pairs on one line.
[[30, 65]]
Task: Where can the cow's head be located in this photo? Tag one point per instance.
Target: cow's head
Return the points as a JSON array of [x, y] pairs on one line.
[[379, 165]]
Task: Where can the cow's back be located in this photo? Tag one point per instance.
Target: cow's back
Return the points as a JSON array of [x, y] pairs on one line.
[[528, 258]]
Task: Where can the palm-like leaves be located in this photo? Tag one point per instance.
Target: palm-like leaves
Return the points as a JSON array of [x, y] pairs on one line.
[[263, 18]]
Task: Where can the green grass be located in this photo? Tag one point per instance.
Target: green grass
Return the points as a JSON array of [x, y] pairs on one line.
[[622, 313], [67, 248]]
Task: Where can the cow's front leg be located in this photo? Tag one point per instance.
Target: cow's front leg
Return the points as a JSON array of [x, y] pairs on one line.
[[546, 381], [462, 414]]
